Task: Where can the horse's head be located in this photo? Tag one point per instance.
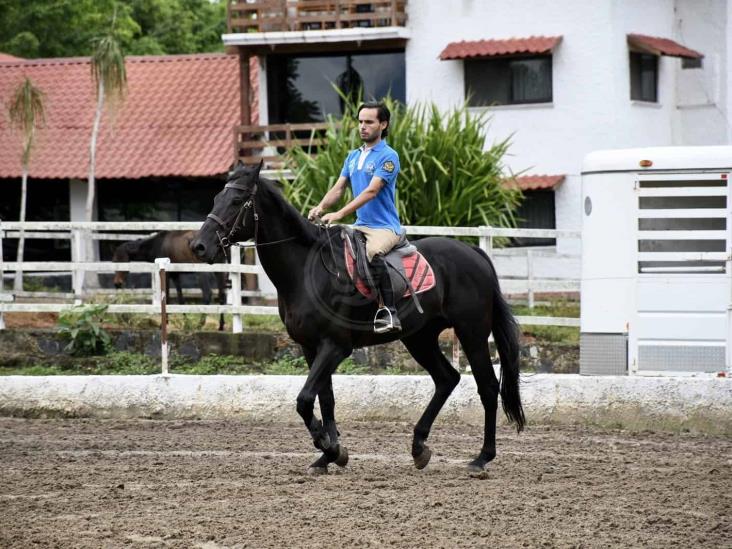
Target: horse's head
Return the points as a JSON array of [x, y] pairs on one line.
[[232, 216], [123, 253]]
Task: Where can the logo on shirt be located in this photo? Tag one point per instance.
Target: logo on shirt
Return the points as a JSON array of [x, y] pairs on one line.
[[370, 167], [388, 166]]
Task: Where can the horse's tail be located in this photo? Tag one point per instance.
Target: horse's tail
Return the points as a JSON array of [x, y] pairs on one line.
[[506, 335]]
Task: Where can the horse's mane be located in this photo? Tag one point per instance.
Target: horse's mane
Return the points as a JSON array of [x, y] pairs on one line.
[[311, 232]]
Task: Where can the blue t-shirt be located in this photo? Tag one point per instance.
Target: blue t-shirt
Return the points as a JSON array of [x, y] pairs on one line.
[[381, 161]]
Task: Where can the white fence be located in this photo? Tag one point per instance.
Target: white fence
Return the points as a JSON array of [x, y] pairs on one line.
[[80, 234]]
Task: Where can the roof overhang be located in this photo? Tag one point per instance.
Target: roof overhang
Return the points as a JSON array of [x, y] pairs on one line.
[[534, 182], [301, 39], [661, 46], [494, 48], [696, 158]]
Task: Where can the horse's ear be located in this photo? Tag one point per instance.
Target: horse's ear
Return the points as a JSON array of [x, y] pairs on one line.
[[259, 167], [239, 163]]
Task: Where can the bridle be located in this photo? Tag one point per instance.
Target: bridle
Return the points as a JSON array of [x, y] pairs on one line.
[[226, 241]]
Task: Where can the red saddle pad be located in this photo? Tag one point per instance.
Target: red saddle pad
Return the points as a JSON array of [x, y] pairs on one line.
[[418, 271]]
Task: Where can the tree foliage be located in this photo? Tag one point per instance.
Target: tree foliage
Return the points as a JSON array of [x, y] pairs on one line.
[[27, 112], [447, 177], [66, 28]]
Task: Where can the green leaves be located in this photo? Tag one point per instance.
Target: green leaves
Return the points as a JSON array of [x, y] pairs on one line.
[[448, 177], [82, 327], [108, 67], [50, 28], [27, 112]]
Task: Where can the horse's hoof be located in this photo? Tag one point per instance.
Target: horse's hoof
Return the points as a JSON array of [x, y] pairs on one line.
[[317, 471], [421, 461], [476, 466], [342, 459]]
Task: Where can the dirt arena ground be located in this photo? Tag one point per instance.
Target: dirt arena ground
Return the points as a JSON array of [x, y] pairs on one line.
[[211, 484]]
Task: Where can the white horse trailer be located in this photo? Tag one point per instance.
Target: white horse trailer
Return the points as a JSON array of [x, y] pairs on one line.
[[656, 270]]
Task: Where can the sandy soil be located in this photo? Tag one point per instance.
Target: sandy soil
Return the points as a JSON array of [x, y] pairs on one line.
[[92, 483]]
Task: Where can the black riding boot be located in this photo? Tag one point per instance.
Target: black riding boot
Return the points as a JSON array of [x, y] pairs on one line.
[[386, 319]]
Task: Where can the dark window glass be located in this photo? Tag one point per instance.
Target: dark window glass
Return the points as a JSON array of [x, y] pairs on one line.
[[643, 77], [536, 212], [508, 80], [48, 200], [300, 88], [695, 63]]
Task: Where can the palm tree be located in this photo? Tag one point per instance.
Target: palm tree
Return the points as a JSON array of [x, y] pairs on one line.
[[26, 114], [110, 81]]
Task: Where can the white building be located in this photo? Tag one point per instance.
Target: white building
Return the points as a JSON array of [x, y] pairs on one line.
[[572, 76]]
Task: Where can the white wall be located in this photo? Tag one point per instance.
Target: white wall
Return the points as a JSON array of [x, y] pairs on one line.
[[702, 93], [591, 106]]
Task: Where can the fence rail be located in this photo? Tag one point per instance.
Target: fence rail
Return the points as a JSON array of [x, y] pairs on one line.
[[304, 15], [81, 232]]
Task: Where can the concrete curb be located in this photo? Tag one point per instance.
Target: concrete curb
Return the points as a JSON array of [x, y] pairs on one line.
[[702, 404]]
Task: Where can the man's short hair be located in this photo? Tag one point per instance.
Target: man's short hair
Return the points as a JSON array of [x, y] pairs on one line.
[[382, 113]]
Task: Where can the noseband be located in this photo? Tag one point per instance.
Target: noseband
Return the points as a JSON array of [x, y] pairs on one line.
[[225, 241]]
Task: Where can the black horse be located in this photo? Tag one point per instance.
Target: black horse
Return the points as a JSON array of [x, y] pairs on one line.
[[328, 318], [175, 245]]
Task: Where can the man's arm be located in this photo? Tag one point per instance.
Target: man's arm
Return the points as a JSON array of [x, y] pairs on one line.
[[330, 199], [368, 194]]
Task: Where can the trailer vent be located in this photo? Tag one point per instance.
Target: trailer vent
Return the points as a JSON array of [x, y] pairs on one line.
[[682, 224]]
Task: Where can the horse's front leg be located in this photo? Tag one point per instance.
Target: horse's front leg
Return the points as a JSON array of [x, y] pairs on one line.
[[323, 362]]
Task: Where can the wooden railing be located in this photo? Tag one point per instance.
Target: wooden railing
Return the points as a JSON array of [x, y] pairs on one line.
[[253, 144], [302, 15]]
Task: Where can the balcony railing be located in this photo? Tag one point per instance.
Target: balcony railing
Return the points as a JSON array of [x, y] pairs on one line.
[[302, 15], [253, 144]]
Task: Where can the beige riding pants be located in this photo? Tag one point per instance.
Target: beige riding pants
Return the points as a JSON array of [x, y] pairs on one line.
[[378, 241]]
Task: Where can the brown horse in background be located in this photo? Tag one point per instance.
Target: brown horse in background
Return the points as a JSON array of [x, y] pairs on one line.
[[174, 245]]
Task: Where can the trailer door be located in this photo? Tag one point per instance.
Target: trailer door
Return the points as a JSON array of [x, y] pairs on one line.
[[683, 283]]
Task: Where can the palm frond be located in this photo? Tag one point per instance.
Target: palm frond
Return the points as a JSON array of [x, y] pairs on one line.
[[108, 68], [27, 112]]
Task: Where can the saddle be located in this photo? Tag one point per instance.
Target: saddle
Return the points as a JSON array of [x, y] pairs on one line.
[[409, 272]]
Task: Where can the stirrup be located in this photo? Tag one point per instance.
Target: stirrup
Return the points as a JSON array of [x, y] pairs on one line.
[[384, 323]]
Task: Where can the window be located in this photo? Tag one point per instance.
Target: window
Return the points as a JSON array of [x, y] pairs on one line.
[[300, 88], [643, 77], [508, 80]]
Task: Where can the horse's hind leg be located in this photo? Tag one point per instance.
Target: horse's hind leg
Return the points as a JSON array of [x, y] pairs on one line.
[[425, 349], [475, 346]]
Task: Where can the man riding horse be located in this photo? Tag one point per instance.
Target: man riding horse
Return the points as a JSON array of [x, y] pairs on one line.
[[372, 170]]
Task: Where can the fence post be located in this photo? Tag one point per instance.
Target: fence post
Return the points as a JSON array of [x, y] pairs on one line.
[[2, 274], [77, 257], [485, 241], [530, 278], [161, 263], [155, 287], [455, 351], [235, 293]]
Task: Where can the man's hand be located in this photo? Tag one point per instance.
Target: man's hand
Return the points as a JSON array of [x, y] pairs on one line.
[[315, 213], [331, 217]]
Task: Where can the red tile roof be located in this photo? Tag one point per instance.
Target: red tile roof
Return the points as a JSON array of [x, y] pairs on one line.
[[489, 48], [5, 57], [177, 119], [662, 46], [535, 182]]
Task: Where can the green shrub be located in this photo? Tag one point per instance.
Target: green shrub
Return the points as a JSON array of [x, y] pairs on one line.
[[446, 177], [82, 327], [287, 365]]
